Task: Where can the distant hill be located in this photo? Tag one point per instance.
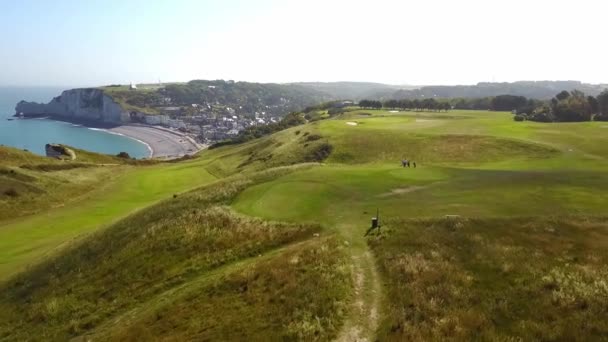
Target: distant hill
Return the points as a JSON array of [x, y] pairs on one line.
[[530, 89], [353, 90], [244, 98]]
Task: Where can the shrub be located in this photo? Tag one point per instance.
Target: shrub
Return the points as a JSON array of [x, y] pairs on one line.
[[541, 117], [600, 117], [320, 153], [124, 155], [11, 192], [335, 111], [313, 137], [519, 117]]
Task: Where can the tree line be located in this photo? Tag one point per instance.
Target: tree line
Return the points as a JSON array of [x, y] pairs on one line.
[[430, 104], [568, 106]]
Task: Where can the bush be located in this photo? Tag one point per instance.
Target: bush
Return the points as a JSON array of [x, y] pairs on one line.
[[11, 192], [319, 153], [313, 137], [541, 117], [519, 117], [335, 111], [600, 117], [124, 155]]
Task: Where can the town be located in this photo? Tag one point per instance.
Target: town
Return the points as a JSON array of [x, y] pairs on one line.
[[216, 112], [209, 124]]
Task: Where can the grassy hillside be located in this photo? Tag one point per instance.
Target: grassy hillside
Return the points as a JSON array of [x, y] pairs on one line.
[[30, 183], [296, 293], [159, 249], [494, 279], [245, 245], [469, 164], [55, 201], [243, 97]]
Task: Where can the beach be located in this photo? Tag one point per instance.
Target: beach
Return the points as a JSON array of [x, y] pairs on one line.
[[161, 142]]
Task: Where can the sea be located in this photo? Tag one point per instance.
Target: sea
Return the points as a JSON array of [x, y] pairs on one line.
[[33, 134]]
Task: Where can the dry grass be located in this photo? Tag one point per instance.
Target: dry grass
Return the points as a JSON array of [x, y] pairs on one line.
[[495, 279], [299, 294], [136, 259]]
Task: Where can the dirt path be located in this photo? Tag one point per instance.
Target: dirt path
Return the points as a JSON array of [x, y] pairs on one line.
[[364, 315]]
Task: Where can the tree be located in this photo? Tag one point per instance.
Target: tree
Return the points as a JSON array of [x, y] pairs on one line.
[[405, 104], [508, 103], [574, 107], [416, 104], [364, 104], [602, 101], [593, 104], [562, 96], [392, 104]]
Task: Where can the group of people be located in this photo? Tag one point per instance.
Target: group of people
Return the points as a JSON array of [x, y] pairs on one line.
[[406, 163]]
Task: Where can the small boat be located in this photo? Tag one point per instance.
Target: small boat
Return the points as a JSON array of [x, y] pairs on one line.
[[10, 119]]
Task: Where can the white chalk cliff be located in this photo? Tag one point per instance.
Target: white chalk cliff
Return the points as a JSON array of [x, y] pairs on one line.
[[87, 104]]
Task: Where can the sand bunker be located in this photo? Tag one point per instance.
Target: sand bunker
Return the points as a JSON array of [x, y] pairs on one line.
[[422, 120], [393, 111], [400, 191], [351, 123]]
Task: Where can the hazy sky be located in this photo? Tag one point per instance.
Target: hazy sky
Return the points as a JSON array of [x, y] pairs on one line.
[[78, 43]]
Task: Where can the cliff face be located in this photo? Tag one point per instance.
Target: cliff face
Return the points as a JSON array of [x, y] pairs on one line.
[[87, 104]]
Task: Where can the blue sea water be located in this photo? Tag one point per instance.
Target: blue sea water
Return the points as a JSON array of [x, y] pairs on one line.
[[33, 134]]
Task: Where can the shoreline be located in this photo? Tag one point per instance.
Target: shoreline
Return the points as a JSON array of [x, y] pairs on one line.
[[161, 142], [150, 149]]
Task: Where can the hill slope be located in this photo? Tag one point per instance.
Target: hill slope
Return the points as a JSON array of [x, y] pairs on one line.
[[530, 89], [247, 244], [156, 252], [244, 98], [30, 183]]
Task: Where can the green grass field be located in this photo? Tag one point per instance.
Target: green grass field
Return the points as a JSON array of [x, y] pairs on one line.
[[524, 260], [98, 197], [478, 165]]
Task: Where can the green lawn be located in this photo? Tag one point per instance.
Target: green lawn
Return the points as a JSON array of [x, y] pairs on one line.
[[27, 240], [504, 169]]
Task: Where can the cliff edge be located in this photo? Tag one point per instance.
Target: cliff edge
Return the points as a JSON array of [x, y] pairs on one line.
[[87, 104]]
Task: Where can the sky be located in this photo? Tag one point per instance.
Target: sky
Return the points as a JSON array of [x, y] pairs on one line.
[[424, 42]]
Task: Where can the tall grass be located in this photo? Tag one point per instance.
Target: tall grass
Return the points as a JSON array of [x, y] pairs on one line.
[[495, 279], [297, 295], [136, 259]]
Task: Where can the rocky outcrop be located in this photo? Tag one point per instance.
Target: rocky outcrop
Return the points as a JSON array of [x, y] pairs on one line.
[[59, 151], [88, 104]]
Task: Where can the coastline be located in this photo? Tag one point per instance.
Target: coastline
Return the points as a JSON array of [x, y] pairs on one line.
[[160, 141], [109, 131]]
